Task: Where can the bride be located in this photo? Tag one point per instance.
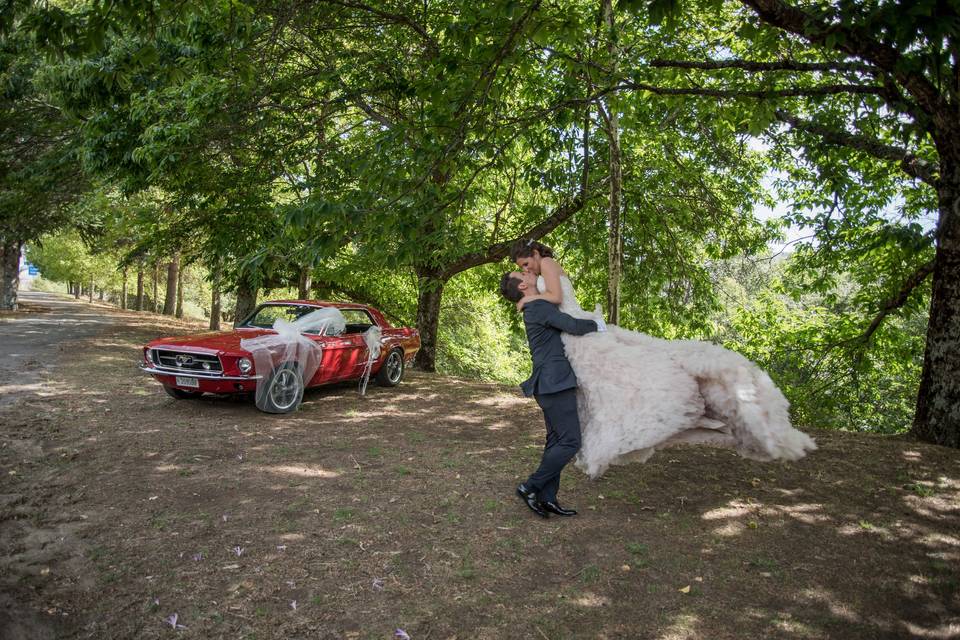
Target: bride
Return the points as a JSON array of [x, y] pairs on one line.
[[637, 394]]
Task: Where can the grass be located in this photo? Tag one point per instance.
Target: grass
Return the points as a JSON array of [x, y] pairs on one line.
[[590, 573], [637, 548], [343, 514], [922, 490]]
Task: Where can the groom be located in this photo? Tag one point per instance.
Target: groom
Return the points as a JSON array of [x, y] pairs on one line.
[[554, 386]]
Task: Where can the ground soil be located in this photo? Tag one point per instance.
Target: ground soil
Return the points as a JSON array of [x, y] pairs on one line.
[[359, 516]]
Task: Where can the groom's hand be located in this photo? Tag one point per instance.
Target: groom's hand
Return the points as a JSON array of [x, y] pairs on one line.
[[598, 318]]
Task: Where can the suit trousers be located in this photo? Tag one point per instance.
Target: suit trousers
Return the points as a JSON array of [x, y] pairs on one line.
[[563, 441]]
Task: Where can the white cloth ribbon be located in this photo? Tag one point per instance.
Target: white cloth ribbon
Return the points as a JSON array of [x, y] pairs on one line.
[[289, 345], [371, 337]]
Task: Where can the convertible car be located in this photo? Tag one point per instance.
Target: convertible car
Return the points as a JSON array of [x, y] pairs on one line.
[[282, 348]]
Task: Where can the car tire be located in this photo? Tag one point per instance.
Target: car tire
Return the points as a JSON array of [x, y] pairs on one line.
[[391, 373], [284, 390], [181, 394]]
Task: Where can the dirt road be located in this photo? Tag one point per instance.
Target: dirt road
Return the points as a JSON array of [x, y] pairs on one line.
[[30, 342], [127, 514]]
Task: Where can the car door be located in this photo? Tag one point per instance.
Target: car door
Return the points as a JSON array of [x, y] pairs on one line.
[[358, 322]]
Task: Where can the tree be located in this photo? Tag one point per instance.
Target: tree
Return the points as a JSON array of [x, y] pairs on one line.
[[65, 257], [852, 83], [38, 170]]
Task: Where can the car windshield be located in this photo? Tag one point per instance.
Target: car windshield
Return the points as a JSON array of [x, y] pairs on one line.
[[267, 314]]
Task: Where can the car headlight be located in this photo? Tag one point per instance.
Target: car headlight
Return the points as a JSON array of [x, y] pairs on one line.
[[244, 365], [149, 354]]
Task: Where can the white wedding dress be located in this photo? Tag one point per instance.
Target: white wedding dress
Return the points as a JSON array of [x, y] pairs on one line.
[[637, 394]]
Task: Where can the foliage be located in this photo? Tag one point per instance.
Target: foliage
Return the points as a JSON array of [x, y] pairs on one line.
[[392, 151], [65, 258], [479, 335], [811, 345], [39, 176]]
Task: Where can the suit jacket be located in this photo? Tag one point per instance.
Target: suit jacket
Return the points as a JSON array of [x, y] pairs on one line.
[[551, 370]]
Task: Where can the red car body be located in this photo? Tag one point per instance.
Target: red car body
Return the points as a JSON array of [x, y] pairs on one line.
[[211, 362]]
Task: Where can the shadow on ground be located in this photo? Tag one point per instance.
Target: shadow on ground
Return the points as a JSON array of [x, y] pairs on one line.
[[357, 516]]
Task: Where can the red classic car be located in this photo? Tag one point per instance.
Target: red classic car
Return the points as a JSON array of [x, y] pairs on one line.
[[282, 348]]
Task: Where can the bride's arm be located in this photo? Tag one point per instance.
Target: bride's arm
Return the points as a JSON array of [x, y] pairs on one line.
[[550, 270]]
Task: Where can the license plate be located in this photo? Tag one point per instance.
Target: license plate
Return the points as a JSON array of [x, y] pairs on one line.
[[183, 381]]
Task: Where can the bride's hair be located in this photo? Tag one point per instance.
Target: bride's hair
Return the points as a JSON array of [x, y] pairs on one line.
[[510, 287], [525, 249]]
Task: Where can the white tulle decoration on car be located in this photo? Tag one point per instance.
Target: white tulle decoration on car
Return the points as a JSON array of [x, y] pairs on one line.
[[372, 339], [288, 346]]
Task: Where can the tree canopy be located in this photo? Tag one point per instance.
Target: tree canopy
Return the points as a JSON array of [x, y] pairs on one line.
[[395, 151]]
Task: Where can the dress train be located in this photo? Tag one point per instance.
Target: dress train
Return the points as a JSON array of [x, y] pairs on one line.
[[638, 394]]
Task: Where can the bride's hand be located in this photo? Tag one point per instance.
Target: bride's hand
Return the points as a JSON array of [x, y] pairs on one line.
[[524, 300]]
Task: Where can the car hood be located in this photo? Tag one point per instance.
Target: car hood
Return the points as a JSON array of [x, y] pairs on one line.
[[217, 341]]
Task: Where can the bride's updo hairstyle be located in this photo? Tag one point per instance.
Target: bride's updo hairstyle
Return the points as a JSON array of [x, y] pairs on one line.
[[525, 249]]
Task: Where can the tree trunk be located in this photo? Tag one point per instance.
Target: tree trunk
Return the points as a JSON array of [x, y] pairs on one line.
[[937, 418], [77, 290], [173, 272], [90, 291], [123, 291], [2, 267], [430, 286], [139, 306], [614, 231], [155, 305], [9, 273], [215, 310], [101, 294], [306, 283], [246, 301], [179, 312]]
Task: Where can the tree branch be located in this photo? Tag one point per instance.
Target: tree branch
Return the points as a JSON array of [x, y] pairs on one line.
[[912, 282], [911, 164], [793, 92], [373, 114], [501, 250], [396, 18], [856, 42], [757, 66]]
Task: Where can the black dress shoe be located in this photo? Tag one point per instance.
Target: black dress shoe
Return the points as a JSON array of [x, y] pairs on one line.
[[553, 507], [530, 499]]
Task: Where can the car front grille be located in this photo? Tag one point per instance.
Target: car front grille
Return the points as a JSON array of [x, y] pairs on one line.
[[183, 361]]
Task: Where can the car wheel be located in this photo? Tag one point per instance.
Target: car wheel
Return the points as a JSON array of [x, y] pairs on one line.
[[391, 372], [181, 394], [284, 390]]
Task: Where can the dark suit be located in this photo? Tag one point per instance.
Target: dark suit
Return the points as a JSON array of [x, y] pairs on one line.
[[554, 385]]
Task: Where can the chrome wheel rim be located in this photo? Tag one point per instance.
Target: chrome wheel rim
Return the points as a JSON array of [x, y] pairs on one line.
[[285, 388], [394, 367]]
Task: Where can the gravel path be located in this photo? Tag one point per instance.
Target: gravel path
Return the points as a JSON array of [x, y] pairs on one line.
[[30, 342]]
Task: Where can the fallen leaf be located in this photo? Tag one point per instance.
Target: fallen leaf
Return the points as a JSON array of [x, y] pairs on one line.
[[685, 589]]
